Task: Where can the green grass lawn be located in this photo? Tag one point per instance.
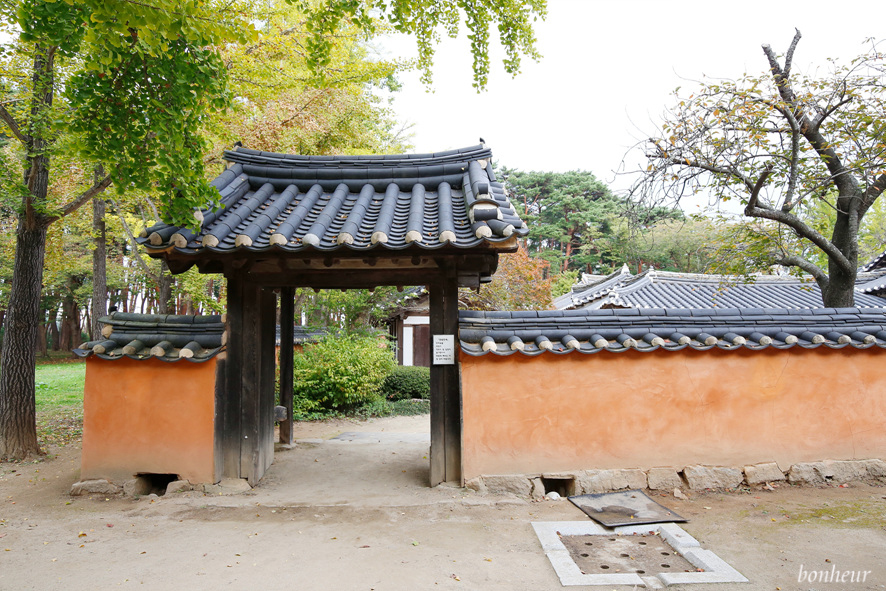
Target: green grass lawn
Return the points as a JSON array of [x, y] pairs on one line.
[[59, 388]]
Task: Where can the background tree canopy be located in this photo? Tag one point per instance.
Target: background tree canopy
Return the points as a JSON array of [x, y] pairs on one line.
[[791, 148], [576, 223]]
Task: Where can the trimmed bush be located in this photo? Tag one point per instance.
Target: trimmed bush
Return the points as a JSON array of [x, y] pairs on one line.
[[341, 373], [407, 382]]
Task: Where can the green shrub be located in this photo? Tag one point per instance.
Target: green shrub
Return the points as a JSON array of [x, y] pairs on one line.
[[407, 382], [341, 373]]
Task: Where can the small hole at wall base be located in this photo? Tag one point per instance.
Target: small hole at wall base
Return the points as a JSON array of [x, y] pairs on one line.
[[565, 487], [154, 483]]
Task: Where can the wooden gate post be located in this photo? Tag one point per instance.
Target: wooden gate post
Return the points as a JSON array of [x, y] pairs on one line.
[[287, 319], [247, 410], [228, 407], [445, 385]]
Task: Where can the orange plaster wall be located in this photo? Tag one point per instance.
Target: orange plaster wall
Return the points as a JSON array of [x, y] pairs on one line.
[[148, 417], [641, 410]]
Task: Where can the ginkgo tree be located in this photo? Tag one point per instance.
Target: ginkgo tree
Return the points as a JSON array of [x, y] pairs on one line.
[[784, 144]]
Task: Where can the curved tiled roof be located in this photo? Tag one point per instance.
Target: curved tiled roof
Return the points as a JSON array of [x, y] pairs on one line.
[[302, 335], [871, 283], [163, 336], [615, 330], [878, 262], [663, 289], [296, 203]]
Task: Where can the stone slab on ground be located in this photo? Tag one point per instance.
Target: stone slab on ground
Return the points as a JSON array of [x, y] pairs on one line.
[[664, 479], [834, 471], [763, 473], [228, 486], [178, 486], [714, 478], [600, 481], [98, 486], [875, 468], [508, 484]]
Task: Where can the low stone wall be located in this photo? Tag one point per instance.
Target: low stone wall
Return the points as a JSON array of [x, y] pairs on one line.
[[694, 478]]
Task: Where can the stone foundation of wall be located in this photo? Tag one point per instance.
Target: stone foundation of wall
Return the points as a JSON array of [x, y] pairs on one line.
[[694, 478]]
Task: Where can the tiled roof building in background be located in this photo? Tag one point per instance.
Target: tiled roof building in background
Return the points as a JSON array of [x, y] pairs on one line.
[[665, 289]]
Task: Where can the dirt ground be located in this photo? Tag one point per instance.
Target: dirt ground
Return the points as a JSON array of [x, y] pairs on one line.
[[358, 515]]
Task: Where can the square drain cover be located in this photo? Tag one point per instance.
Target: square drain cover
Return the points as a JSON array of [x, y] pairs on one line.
[[644, 554], [630, 507]]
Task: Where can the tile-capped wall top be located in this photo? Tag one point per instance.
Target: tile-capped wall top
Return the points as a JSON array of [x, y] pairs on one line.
[[290, 202], [664, 289], [168, 337], [617, 330]]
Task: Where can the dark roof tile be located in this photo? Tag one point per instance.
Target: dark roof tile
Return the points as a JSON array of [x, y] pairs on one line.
[[729, 329], [296, 202], [167, 337]]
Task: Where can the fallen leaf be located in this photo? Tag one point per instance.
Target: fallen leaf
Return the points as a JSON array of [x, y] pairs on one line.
[[109, 525], [82, 534], [415, 543]]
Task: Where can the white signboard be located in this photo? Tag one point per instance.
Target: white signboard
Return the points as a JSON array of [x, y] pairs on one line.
[[444, 349]]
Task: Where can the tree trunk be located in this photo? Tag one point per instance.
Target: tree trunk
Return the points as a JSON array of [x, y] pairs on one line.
[[41, 340], [164, 296], [99, 264], [53, 330], [18, 422], [840, 289]]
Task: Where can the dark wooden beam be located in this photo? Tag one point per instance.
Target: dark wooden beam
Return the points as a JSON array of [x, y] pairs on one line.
[[264, 454], [228, 406], [438, 389], [287, 319], [446, 418], [452, 411], [344, 279], [249, 345]]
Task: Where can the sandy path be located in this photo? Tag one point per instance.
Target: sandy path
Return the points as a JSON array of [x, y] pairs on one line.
[[350, 516]]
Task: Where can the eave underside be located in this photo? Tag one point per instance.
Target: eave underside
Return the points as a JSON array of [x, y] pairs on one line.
[[345, 270]]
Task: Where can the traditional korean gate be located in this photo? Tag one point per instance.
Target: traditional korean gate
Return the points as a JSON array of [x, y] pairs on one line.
[[288, 221]]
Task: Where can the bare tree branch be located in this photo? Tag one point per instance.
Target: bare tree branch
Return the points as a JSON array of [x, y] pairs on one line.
[[81, 199], [803, 230], [793, 260], [824, 115], [12, 124], [846, 184], [135, 246], [758, 186], [789, 56]]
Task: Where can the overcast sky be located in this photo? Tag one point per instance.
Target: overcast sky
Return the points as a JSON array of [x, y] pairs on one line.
[[607, 71]]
